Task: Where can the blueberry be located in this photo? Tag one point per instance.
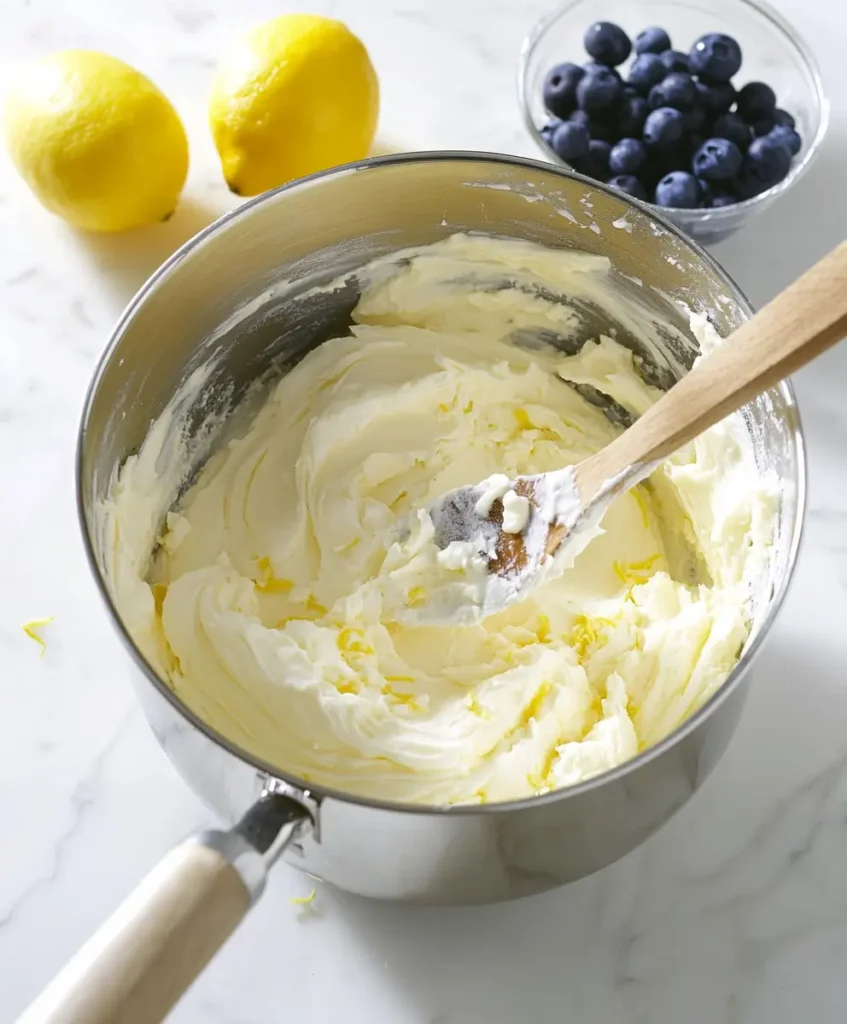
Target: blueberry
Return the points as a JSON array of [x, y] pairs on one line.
[[755, 101], [707, 191], [570, 141], [678, 189], [548, 129], [560, 88], [631, 117], [598, 92], [677, 90], [715, 57], [734, 128], [695, 120], [597, 128], [717, 160], [663, 127], [652, 40], [647, 70], [782, 117], [608, 43], [785, 136], [600, 128], [592, 66], [716, 99], [713, 194], [764, 165], [627, 157], [595, 164], [674, 60], [630, 184], [764, 125]]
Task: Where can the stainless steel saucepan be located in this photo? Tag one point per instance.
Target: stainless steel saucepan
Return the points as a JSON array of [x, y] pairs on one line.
[[136, 967]]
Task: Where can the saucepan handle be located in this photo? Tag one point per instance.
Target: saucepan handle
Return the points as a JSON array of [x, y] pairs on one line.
[[141, 961]]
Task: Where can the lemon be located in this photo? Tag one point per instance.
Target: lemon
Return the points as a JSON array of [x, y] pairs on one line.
[[96, 141], [296, 95]]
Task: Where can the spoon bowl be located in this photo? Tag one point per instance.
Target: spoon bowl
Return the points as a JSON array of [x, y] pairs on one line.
[[560, 511]]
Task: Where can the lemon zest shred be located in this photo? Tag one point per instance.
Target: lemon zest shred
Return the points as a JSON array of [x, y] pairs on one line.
[[31, 629], [408, 699], [304, 901], [314, 605], [641, 501], [635, 573], [416, 596], [523, 420], [543, 631], [586, 633], [476, 708], [532, 709], [342, 549], [480, 795], [267, 583], [552, 757], [348, 686], [351, 640], [469, 407], [277, 585], [398, 499], [158, 590]]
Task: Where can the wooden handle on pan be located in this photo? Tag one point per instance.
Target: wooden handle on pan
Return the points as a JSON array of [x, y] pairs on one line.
[[791, 330], [144, 957], [135, 968]]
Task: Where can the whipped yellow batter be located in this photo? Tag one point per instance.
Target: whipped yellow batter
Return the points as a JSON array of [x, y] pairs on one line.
[[273, 605]]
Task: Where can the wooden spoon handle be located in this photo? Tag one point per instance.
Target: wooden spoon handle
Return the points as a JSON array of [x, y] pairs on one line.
[[800, 323]]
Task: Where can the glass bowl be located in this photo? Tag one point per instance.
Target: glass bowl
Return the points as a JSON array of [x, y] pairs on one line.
[[773, 52]]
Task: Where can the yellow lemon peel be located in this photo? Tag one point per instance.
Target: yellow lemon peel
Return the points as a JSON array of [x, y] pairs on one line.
[[159, 590], [635, 573], [314, 605], [296, 95], [351, 640], [96, 141], [641, 501], [31, 629], [407, 699], [534, 707], [476, 708], [304, 901], [267, 583], [587, 633]]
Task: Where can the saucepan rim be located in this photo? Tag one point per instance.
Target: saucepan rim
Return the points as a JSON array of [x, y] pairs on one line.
[[316, 791]]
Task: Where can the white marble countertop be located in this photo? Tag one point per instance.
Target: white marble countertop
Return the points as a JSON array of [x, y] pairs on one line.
[[736, 912]]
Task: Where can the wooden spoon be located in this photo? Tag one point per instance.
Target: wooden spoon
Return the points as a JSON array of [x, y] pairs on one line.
[[563, 508]]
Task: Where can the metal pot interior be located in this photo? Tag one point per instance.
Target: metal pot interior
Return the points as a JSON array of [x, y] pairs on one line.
[[239, 302]]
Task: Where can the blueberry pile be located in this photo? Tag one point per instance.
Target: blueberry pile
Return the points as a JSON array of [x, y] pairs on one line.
[[675, 131]]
